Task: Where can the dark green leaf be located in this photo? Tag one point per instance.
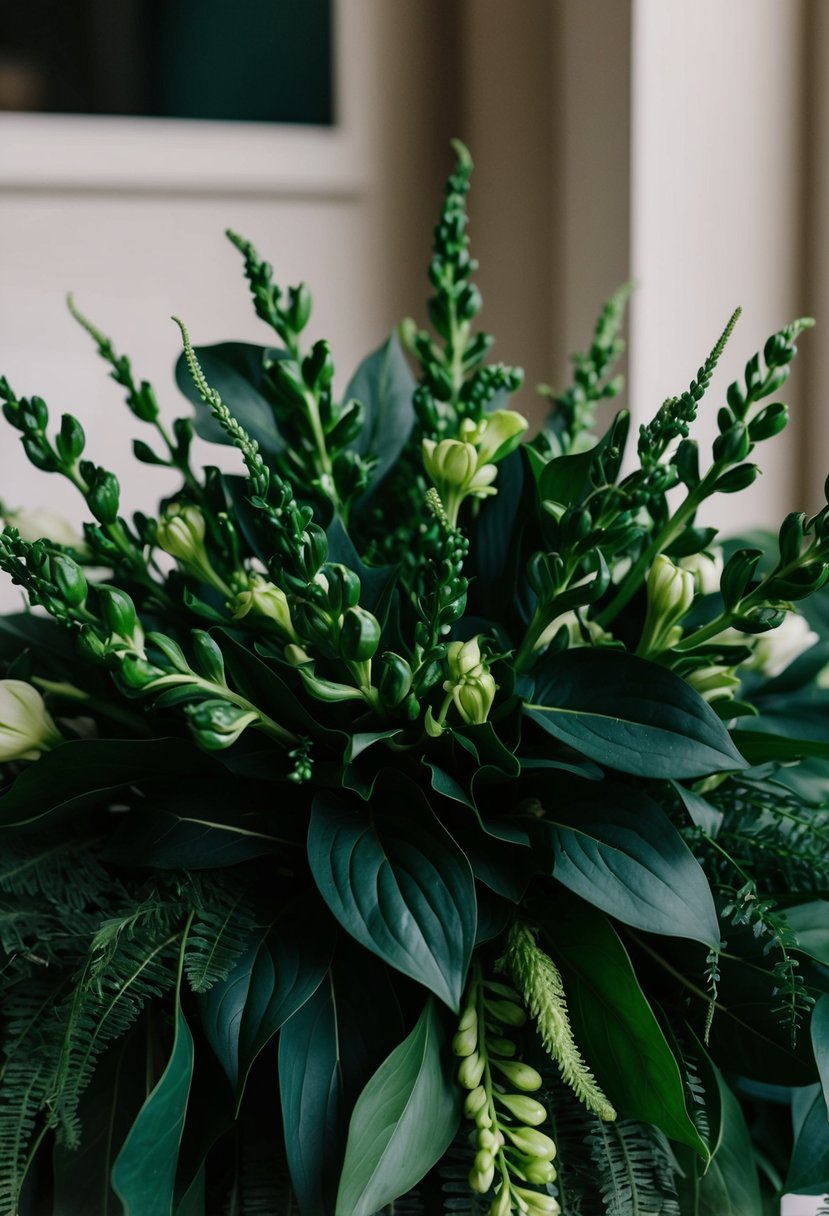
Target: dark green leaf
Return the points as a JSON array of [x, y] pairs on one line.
[[630, 714], [144, 1173], [403, 1122], [622, 854], [397, 882], [819, 1030], [730, 1187], [761, 747], [83, 772], [235, 370], [809, 1168], [615, 1026], [384, 384], [810, 924], [282, 969], [327, 1051]]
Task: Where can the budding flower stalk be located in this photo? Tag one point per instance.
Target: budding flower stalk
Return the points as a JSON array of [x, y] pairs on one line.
[[465, 467], [181, 533]]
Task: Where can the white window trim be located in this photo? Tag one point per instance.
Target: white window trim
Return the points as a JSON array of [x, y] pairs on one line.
[[158, 155]]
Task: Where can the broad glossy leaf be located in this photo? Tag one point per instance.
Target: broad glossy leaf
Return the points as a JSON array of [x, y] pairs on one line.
[[201, 825], [630, 714], [810, 924], [819, 1030], [761, 747], [730, 1187], [144, 1173], [235, 370], [403, 1122], [398, 883], [310, 1089], [622, 854], [384, 384], [282, 970], [809, 1167], [615, 1026], [83, 772], [327, 1052]]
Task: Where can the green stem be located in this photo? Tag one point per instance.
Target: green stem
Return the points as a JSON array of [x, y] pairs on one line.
[[630, 583]]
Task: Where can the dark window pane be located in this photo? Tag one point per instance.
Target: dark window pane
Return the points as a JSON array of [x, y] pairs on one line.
[[256, 61]]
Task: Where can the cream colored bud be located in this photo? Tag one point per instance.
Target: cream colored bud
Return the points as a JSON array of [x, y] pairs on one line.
[[537, 1203], [462, 658], [775, 650], [264, 598], [471, 1071], [26, 727], [527, 1109], [480, 1180], [522, 1076], [450, 464], [501, 433], [475, 1101], [474, 698], [181, 533], [706, 568], [532, 1142], [502, 1203], [465, 1041], [670, 588]]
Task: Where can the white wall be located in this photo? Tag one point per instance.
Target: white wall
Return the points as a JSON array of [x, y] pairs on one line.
[[717, 196]]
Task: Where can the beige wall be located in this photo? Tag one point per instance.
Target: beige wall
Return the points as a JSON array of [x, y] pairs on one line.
[[612, 139]]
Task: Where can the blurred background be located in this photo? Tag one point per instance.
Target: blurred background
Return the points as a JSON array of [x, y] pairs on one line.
[[678, 144]]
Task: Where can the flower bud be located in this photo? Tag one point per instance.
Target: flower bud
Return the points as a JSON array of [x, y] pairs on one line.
[[465, 1041], [263, 598], [217, 724], [395, 678], [532, 1142], [528, 1110], [489, 1139], [501, 433], [118, 612], [69, 579], [706, 568], [475, 1101], [522, 1076], [343, 587], [507, 1012], [181, 533], [501, 1204], [482, 1173], [670, 595], [538, 1204], [450, 464], [775, 650], [103, 497], [474, 699], [539, 1172], [471, 1071], [26, 727], [462, 659], [359, 635]]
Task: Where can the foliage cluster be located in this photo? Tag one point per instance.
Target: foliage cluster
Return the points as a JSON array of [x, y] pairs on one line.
[[418, 819]]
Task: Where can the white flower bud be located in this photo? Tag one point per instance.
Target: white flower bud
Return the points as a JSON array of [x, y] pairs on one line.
[[26, 728], [500, 434], [775, 650], [264, 598], [706, 568], [181, 533], [670, 595]]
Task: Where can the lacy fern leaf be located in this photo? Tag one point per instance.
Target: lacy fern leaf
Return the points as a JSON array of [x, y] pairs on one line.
[[635, 1169]]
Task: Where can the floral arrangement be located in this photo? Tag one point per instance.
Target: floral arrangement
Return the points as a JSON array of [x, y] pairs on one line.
[[423, 818]]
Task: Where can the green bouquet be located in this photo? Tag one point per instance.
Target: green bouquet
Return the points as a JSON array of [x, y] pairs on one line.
[[417, 820]]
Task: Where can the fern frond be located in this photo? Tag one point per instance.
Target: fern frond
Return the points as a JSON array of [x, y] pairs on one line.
[[635, 1169], [220, 933], [538, 979], [125, 969]]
